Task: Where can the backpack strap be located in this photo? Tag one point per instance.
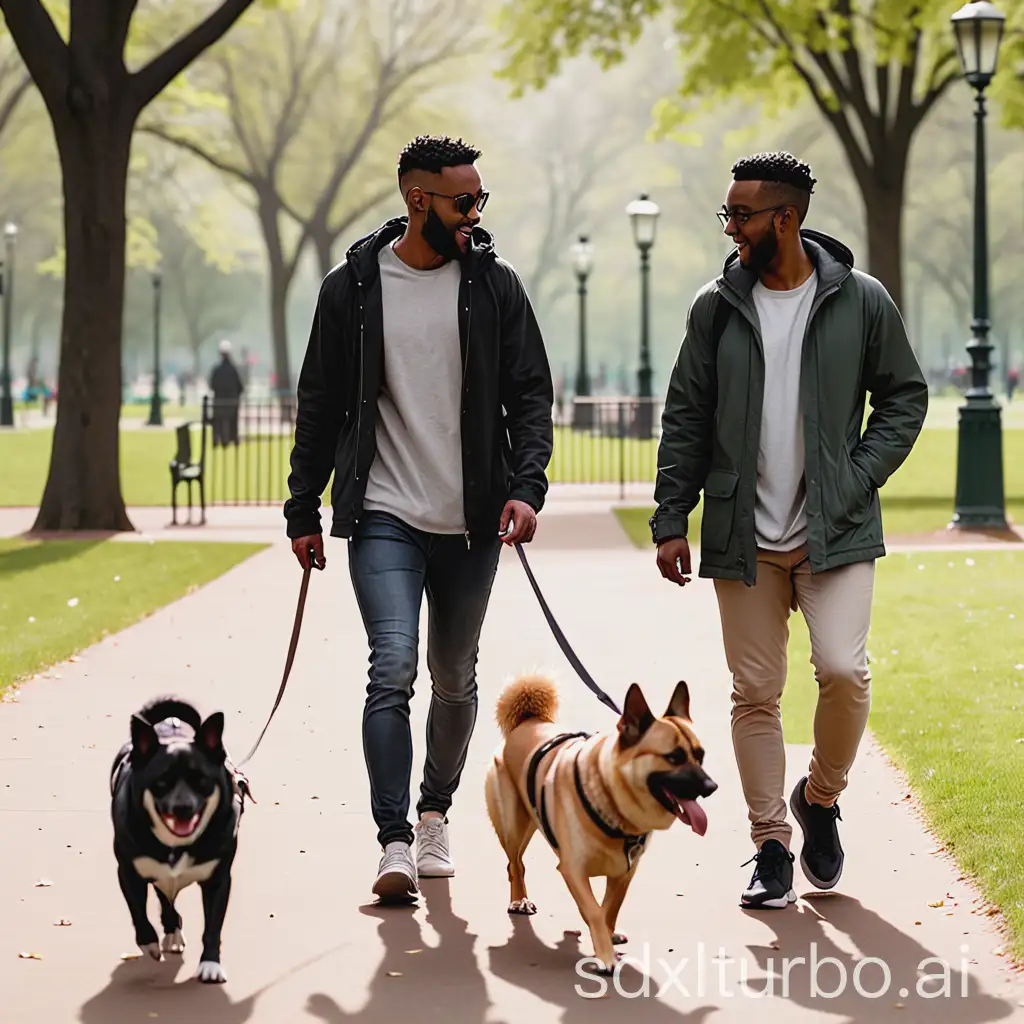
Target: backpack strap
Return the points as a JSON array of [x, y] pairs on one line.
[[723, 310]]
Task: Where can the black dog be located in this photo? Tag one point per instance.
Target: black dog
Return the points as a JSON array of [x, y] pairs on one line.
[[176, 803]]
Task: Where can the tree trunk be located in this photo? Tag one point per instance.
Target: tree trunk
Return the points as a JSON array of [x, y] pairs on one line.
[[323, 242], [83, 489], [883, 208], [280, 273]]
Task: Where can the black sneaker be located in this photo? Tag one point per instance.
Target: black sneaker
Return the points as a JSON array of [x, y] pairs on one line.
[[822, 854], [772, 882]]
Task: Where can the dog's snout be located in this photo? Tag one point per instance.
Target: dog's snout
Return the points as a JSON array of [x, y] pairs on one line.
[[709, 785]]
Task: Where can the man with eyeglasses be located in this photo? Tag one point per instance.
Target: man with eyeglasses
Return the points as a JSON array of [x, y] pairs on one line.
[[426, 389], [765, 415]]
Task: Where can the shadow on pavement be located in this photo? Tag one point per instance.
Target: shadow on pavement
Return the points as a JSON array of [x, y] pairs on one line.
[[138, 990], [440, 984], [855, 997], [550, 973]]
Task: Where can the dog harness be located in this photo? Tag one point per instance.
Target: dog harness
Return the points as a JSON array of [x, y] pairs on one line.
[[632, 844]]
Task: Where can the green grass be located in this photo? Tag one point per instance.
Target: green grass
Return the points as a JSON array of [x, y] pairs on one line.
[[947, 661], [39, 628]]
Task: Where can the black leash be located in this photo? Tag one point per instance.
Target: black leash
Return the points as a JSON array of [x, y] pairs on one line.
[[564, 644], [567, 650], [296, 627]]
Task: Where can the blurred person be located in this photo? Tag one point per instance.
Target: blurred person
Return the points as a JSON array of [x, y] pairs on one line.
[[764, 414], [227, 387], [426, 389]]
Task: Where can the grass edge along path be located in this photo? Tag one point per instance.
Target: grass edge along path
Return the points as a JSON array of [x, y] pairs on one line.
[[59, 597]]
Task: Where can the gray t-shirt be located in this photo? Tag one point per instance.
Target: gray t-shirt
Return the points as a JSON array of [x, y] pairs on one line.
[[780, 511], [417, 473]]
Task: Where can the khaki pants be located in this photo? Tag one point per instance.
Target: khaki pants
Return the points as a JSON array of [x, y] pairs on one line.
[[755, 624]]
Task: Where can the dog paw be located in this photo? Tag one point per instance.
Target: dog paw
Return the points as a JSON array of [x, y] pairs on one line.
[[152, 949], [174, 942], [522, 907], [618, 939], [210, 973]]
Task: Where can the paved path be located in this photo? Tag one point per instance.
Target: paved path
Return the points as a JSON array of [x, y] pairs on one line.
[[303, 941]]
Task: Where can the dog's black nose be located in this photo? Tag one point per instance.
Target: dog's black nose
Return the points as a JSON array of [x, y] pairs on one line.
[[709, 786]]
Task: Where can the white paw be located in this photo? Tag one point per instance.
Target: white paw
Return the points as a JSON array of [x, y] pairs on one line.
[[152, 949], [210, 973], [523, 906], [173, 943]]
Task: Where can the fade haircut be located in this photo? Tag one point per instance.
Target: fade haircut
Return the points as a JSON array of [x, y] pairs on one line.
[[432, 153], [785, 178]]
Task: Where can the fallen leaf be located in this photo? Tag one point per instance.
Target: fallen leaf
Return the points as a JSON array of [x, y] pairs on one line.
[[74, 657], [410, 951], [29, 956], [900, 1006], [394, 974], [131, 956], [43, 883], [917, 922], [62, 923], [938, 903]]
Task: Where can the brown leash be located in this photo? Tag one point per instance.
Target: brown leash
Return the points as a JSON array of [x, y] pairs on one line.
[[306, 573]]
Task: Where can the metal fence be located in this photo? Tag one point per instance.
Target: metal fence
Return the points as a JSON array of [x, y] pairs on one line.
[[247, 445]]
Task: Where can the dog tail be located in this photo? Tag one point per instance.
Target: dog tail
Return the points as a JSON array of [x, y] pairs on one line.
[[530, 696], [161, 708]]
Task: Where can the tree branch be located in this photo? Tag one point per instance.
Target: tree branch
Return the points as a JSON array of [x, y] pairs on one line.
[[150, 81], [196, 150], [40, 46]]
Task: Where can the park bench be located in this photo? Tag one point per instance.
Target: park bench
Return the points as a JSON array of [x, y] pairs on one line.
[[184, 470]]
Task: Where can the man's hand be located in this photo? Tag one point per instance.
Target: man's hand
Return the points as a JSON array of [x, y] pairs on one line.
[[301, 547], [523, 523], [674, 560]]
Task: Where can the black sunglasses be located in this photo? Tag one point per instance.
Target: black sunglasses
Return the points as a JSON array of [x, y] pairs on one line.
[[465, 202], [742, 216]]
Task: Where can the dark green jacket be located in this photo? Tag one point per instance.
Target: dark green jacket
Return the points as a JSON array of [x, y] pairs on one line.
[[855, 344]]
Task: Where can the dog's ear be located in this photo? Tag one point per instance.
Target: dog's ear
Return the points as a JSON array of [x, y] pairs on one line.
[[144, 739], [211, 735], [636, 717], [679, 705]]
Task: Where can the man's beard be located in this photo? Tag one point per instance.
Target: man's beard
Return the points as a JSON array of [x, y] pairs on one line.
[[440, 238], [762, 254]]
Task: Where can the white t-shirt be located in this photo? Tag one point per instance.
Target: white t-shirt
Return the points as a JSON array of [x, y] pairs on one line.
[[417, 473], [780, 512]]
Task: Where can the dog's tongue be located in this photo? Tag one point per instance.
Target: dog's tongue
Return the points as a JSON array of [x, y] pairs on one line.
[[182, 826], [691, 813]]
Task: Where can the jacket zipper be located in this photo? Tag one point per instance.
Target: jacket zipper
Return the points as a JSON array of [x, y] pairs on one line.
[[359, 408]]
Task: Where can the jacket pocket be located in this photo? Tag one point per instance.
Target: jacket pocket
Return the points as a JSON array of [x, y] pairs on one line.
[[719, 509], [852, 501]]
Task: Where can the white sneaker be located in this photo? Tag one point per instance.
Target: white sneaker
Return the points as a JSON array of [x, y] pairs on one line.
[[433, 859], [396, 876]]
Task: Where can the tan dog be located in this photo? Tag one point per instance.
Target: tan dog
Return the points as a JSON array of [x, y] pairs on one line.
[[596, 798]]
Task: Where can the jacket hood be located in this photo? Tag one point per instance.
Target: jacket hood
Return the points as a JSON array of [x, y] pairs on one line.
[[362, 255], [831, 258]]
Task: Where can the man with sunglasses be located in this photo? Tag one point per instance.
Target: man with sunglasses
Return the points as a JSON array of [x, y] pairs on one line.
[[764, 414], [426, 390]]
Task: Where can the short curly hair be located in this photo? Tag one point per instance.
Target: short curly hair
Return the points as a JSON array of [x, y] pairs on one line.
[[432, 153], [782, 174]]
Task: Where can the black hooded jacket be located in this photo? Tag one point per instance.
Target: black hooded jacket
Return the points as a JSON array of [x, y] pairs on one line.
[[507, 392]]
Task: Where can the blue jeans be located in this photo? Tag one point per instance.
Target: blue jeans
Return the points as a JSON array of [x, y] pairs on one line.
[[392, 565]]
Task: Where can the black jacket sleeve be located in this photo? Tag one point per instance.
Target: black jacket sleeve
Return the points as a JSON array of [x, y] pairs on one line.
[[687, 424], [321, 410], [527, 393]]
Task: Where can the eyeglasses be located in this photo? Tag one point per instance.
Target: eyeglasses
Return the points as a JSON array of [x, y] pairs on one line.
[[742, 216], [465, 202]]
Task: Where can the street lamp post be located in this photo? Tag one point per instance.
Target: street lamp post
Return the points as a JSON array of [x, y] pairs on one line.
[[978, 27], [155, 410], [6, 398], [583, 261], [643, 213]]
